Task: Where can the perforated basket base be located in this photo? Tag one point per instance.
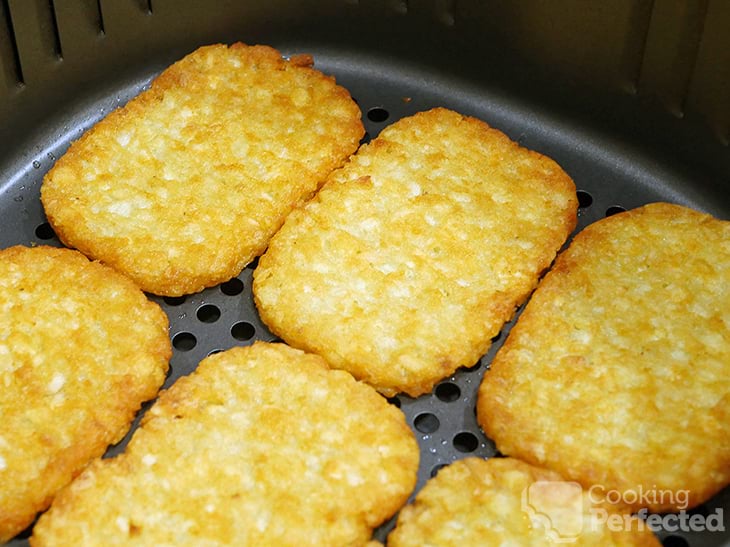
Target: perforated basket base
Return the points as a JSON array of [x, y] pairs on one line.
[[609, 176]]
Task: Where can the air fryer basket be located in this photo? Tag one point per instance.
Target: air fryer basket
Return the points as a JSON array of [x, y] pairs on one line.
[[631, 97]]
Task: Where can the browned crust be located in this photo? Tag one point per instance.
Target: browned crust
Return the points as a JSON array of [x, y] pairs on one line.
[[47, 441], [260, 444], [466, 153], [231, 204], [480, 502], [530, 406]]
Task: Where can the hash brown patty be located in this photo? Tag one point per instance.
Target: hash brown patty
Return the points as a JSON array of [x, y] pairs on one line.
[[616, 374], [184, 185], [416, 252], [261, 445], [503, 501], [80, 349]]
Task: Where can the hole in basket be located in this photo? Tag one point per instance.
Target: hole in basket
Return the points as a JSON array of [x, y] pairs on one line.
[[584, 199], [426, 422], [378, 114], [243, 331], [174, 300], [675, 541], [208, 313], [436, 468], [232, 287], [44, 231], [395, 401], [365, 138], [466, 442], [253, 264], [448, 392], [184, 341], [213, 352], [614, 210]]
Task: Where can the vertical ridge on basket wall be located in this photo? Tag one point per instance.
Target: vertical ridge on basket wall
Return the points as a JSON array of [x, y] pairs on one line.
[[125, 18], [56, 38], [709, 89], [686, 63], [634, 45], [596, 43], [36, 39], [11, 74], [671, 51], [80, 27]]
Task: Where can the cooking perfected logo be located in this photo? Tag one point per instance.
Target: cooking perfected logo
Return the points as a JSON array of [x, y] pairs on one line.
[[556, 506], [599, 495], [565, 511]]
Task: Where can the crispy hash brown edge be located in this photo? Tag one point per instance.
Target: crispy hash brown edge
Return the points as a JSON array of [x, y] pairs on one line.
[[187, 398], [64, 466], [503, 308], [503, 424], [475, 481], [176, 281]]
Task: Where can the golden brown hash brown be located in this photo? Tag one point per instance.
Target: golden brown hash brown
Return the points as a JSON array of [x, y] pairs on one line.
[[616, 374], [184, 186], [414, 254], [261, 445], [80, 349], [487, 502]]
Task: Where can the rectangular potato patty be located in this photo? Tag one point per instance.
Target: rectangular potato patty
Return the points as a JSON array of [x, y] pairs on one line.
[[415, 253]]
